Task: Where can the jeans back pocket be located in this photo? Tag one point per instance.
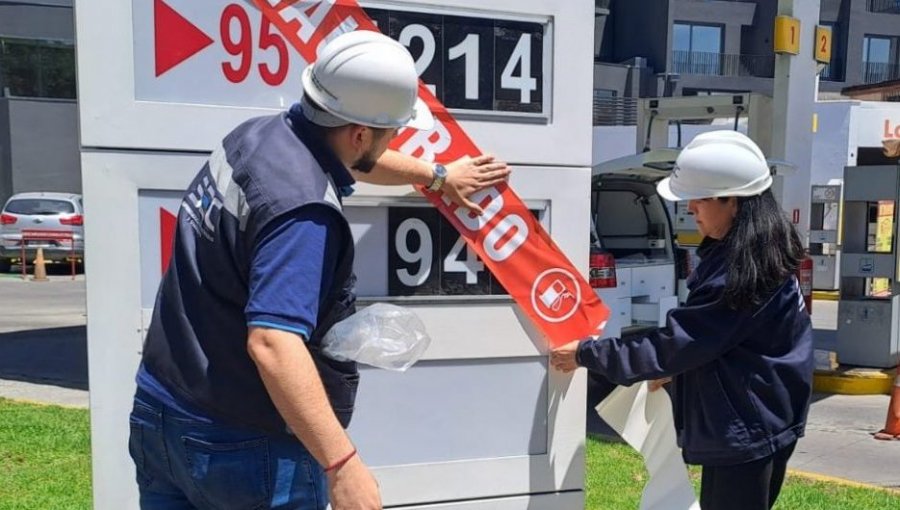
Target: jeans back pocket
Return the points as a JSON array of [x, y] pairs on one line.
[[230, 475]]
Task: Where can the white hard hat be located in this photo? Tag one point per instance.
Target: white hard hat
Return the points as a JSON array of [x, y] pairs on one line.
[[717, 164], [367, 78]]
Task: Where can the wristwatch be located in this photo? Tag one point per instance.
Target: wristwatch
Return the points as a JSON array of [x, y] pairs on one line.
[[440, 177]]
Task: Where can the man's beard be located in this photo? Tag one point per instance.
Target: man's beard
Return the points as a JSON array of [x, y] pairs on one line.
[[365, 163]]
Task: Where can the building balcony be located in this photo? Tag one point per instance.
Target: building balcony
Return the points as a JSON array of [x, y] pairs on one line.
[[615, 111], [722, 64], [883, 6], [874, 72]]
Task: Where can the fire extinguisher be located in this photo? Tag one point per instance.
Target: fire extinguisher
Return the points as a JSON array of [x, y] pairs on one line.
[[805, 277]]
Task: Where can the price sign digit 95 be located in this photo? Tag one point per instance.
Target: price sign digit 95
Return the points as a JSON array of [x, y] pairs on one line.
[[469, 63]]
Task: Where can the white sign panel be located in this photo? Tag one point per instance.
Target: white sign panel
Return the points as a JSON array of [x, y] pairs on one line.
[[226, 54], [876, 123], [157, 213], [232, 55], [190, 71]]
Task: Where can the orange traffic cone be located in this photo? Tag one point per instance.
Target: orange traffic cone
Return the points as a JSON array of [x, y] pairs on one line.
[[891, 428], [40, 267]]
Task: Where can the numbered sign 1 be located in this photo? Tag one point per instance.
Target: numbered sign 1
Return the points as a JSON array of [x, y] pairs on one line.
[[787, 35]]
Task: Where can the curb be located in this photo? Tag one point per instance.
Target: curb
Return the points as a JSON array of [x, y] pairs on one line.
[[815, 477], [854, 381], [826, 295], [37, 403]]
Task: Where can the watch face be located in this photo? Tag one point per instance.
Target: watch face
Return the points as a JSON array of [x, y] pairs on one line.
[[440, 170]]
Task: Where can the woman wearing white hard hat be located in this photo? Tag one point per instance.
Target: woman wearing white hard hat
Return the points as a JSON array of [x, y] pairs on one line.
[[236, 406], [739, 351]]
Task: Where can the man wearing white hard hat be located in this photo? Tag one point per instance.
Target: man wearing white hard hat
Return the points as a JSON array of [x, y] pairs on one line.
[[236, 407], [739, 351]]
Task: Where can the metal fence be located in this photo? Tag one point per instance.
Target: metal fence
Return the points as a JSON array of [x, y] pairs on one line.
[[833, 71], [723, 64], [615, 111], [876, 72], [884, 6]]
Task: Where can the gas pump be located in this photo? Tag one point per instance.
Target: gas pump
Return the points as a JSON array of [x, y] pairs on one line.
[[869, 307], [825, 213]]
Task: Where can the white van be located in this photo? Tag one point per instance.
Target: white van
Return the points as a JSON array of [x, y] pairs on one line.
[[633, 223]]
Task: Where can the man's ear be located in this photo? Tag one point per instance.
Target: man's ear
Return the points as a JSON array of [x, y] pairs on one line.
[[357, 134]]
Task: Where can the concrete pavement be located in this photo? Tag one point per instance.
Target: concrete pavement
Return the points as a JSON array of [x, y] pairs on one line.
[[43, 340], [839, 441]]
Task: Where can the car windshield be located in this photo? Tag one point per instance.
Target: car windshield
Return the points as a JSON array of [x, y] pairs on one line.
[[39, 206]]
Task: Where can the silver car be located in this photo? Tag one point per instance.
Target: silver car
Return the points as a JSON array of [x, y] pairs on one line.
[[52, 221]]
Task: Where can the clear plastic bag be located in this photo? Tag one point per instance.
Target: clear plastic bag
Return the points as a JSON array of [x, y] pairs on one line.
[[381, 335]]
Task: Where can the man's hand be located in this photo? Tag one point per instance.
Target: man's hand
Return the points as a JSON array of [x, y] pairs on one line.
[[563, 358], [468, 175], [352, 487]]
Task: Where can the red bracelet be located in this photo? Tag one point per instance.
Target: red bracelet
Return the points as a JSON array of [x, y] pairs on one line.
[[337, 465]]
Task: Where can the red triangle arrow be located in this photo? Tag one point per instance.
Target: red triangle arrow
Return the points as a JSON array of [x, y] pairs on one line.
[[167, 223], [177, 39]]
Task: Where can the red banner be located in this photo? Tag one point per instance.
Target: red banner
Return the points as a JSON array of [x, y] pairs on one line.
[[510, 241]]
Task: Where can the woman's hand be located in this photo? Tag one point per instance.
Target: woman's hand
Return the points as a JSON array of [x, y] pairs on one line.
[[656, 384], [563, 358]]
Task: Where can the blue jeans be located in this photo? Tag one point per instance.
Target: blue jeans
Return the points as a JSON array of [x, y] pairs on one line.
[[184, 462]]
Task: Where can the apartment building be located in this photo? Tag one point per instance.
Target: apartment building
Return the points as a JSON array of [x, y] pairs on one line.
[[647, 48], [38, 113]]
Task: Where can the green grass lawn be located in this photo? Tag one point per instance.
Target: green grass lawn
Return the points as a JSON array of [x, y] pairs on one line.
[[45, 465], [616, 474], [45, 457]]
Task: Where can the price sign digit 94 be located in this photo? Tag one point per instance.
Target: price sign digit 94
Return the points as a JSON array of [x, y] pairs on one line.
[[428, 257], [473, 63]]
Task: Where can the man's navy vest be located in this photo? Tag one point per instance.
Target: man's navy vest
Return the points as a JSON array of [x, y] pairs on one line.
[[196, 346]]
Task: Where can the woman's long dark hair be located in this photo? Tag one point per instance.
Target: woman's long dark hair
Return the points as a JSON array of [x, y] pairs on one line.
[[763, 251]]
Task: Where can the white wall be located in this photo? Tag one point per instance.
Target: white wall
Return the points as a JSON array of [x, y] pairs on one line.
[[831, 142]]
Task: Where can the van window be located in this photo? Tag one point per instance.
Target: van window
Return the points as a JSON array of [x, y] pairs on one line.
[[632, 225], [621, 214], [39, 206]]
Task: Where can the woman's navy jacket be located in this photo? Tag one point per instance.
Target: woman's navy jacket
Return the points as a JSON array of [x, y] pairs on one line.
[[742, 378]]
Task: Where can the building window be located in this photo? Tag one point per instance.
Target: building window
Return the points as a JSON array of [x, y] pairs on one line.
[[35, 68], [697, 49], [880, 61], [834, 70], [697, 38], [884, 6]]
